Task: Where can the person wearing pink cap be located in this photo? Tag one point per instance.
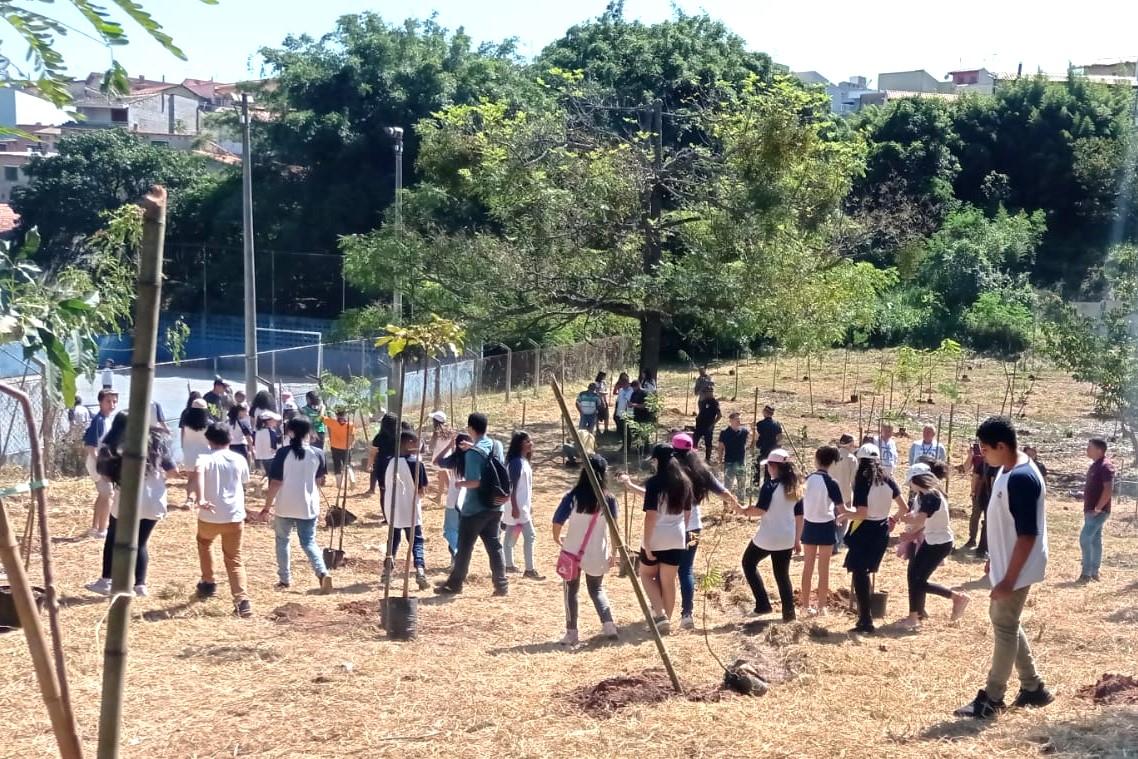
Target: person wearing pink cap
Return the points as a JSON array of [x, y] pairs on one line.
[[703, 484]]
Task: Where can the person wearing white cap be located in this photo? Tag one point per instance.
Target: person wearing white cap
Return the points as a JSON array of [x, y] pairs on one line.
[[780, 509], [441, 437], [870, 524], [267, 440], [929, 529], [193, 424]]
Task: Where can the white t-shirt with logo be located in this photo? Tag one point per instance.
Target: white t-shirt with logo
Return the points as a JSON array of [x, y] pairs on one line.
[[223, 475], [1017, 507], [299, 495]]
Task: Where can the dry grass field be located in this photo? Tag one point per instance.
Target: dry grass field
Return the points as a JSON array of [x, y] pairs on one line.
[[486, 677]]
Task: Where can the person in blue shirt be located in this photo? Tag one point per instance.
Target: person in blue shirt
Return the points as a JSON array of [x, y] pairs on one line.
[[98, 428], [478, 519]]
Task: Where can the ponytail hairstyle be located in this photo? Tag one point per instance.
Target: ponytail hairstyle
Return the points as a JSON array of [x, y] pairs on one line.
[[299, 428], [927, 483], [702, 480], [584, 499], [459, 456], [938, 467], [789, 479], [870, 471]]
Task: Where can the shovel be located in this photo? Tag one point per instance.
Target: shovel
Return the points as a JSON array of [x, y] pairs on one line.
[[334, 558]]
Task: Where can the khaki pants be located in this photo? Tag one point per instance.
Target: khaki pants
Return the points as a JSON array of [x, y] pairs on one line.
[[230, 535], [1010, 647]]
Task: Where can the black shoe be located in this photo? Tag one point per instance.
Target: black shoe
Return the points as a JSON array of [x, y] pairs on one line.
[[531, 574], [502, 591], [1033, 699], [443, 589], [865, 628], [207, 589], [243, 609], [981, 707], [511, 570], [761, 610]]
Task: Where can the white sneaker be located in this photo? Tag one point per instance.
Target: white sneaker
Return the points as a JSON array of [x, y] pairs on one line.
[[140, 591], [100, 534], [687, 623], [102, 586], [610, 631], [570, 638], [663, 625]]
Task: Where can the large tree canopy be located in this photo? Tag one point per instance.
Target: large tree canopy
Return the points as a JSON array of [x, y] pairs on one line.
[[572, 229]]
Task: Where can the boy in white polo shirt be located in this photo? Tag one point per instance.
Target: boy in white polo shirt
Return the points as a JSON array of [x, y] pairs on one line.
[[222, 475], [1017, 559]]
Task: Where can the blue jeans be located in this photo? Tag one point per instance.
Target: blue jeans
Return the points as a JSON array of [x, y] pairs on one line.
[[587, 422], [511, 539], [450, 530], [687, 575], [416, 544], [1090, 541], [306, 534]]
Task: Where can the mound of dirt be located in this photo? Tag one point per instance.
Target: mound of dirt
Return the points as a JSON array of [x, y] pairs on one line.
[[359, 608], [292, 613], [365, 566], [651, 686], [1112, 690]]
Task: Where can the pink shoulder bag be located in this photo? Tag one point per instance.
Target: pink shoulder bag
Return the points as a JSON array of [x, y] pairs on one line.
[[569, 564]]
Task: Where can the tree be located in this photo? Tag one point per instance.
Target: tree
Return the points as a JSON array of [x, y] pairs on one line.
[[94, 172], [48, 70], [571, 227]]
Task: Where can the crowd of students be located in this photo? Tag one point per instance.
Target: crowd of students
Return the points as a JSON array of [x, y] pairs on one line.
[[851, 501]]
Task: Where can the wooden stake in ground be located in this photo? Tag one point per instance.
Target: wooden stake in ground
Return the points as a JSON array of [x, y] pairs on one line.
[[948, 450], [388, 559], [125, 551], [845, 371], [622, 549]]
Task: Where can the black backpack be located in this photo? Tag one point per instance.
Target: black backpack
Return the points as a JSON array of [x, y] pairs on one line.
[[494, 484]]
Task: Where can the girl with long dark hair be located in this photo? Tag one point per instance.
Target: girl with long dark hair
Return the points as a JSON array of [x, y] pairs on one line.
[[927, 525], [193, 424], [383, 447], [453, 461], [870, 524], [240, 430], [780, 510], [821, 504], [152, 499], [517, 515], [667, 506], [704, 484], [586, 534], [295, 478]]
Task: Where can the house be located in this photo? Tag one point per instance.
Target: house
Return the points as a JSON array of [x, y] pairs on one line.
[[166, 114], [919, 81], [35, 119], [973, 80], [810, 78], [846, 97]]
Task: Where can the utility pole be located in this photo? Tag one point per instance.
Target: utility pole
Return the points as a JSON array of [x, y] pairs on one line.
[[250, 270], [396, 405]]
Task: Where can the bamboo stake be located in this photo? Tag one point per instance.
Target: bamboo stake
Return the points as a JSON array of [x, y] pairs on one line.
[[948, 450], [845, 371], [774, 372], [523, 414], [125, 551], [857, 376], [423, 397], [810, 383], [62, 723], [622, 549]]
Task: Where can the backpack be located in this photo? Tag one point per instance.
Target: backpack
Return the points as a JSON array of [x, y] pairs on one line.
[[494, 484]]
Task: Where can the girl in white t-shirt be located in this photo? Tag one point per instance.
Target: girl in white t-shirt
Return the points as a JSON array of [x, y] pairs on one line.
[[151, 504], [820, 506], [267, 440], [579, 516], [780, 509], [453, 462], [928, 526], [193, 424], [517, 514], [404, 483]]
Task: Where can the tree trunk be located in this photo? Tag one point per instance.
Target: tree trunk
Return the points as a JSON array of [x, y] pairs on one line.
[[651, 329]]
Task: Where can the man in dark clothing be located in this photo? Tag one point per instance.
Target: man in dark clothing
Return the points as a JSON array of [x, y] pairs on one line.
[[767, 435], [1096, 508], [706, 419], [219, 399], [733, 451]]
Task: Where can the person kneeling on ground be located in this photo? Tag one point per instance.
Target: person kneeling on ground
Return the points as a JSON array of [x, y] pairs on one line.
[[297, 472], [404, 484], [586, 536], [222, 475]]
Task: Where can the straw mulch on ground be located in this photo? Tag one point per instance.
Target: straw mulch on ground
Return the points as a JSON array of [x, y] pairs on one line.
[[313, 675]]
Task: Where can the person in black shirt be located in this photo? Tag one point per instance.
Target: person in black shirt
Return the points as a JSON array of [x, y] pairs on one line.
[[706, 419], [733, 453], [767, 434]]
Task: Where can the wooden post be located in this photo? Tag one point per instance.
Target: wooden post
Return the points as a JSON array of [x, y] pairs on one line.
[[892, 376], [523, 414], [388, 559], [857, 376], [810, 382], [622, 549], [509, 372], [125, 551], [860, 428], [948, 449], [774, 371], [688, 394], [845, 370]]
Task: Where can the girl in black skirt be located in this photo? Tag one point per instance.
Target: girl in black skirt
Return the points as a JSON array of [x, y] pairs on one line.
[[870, 524]]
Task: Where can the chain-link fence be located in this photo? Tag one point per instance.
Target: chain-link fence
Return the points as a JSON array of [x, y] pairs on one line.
[[61, 454]]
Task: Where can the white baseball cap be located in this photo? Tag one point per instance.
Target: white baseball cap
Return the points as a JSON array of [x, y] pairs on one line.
[[777, 456], [438, 416], [916, 470], [869, 451], [198, 403], [267, 414]]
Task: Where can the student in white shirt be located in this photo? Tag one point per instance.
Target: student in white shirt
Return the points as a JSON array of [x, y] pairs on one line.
[[295, 477], [267, 440], [404, 483], [517, 515], [928, 525], [192, 426], [222, 475], [441, 436], [1017, 559], [820, 506], [151, 503], [888, 447], [843, 473], [667, 507], [586, 534], [780, 509], [453, 460], [704, 484]]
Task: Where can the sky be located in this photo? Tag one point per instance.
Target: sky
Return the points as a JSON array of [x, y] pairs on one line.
[[836, 39]]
